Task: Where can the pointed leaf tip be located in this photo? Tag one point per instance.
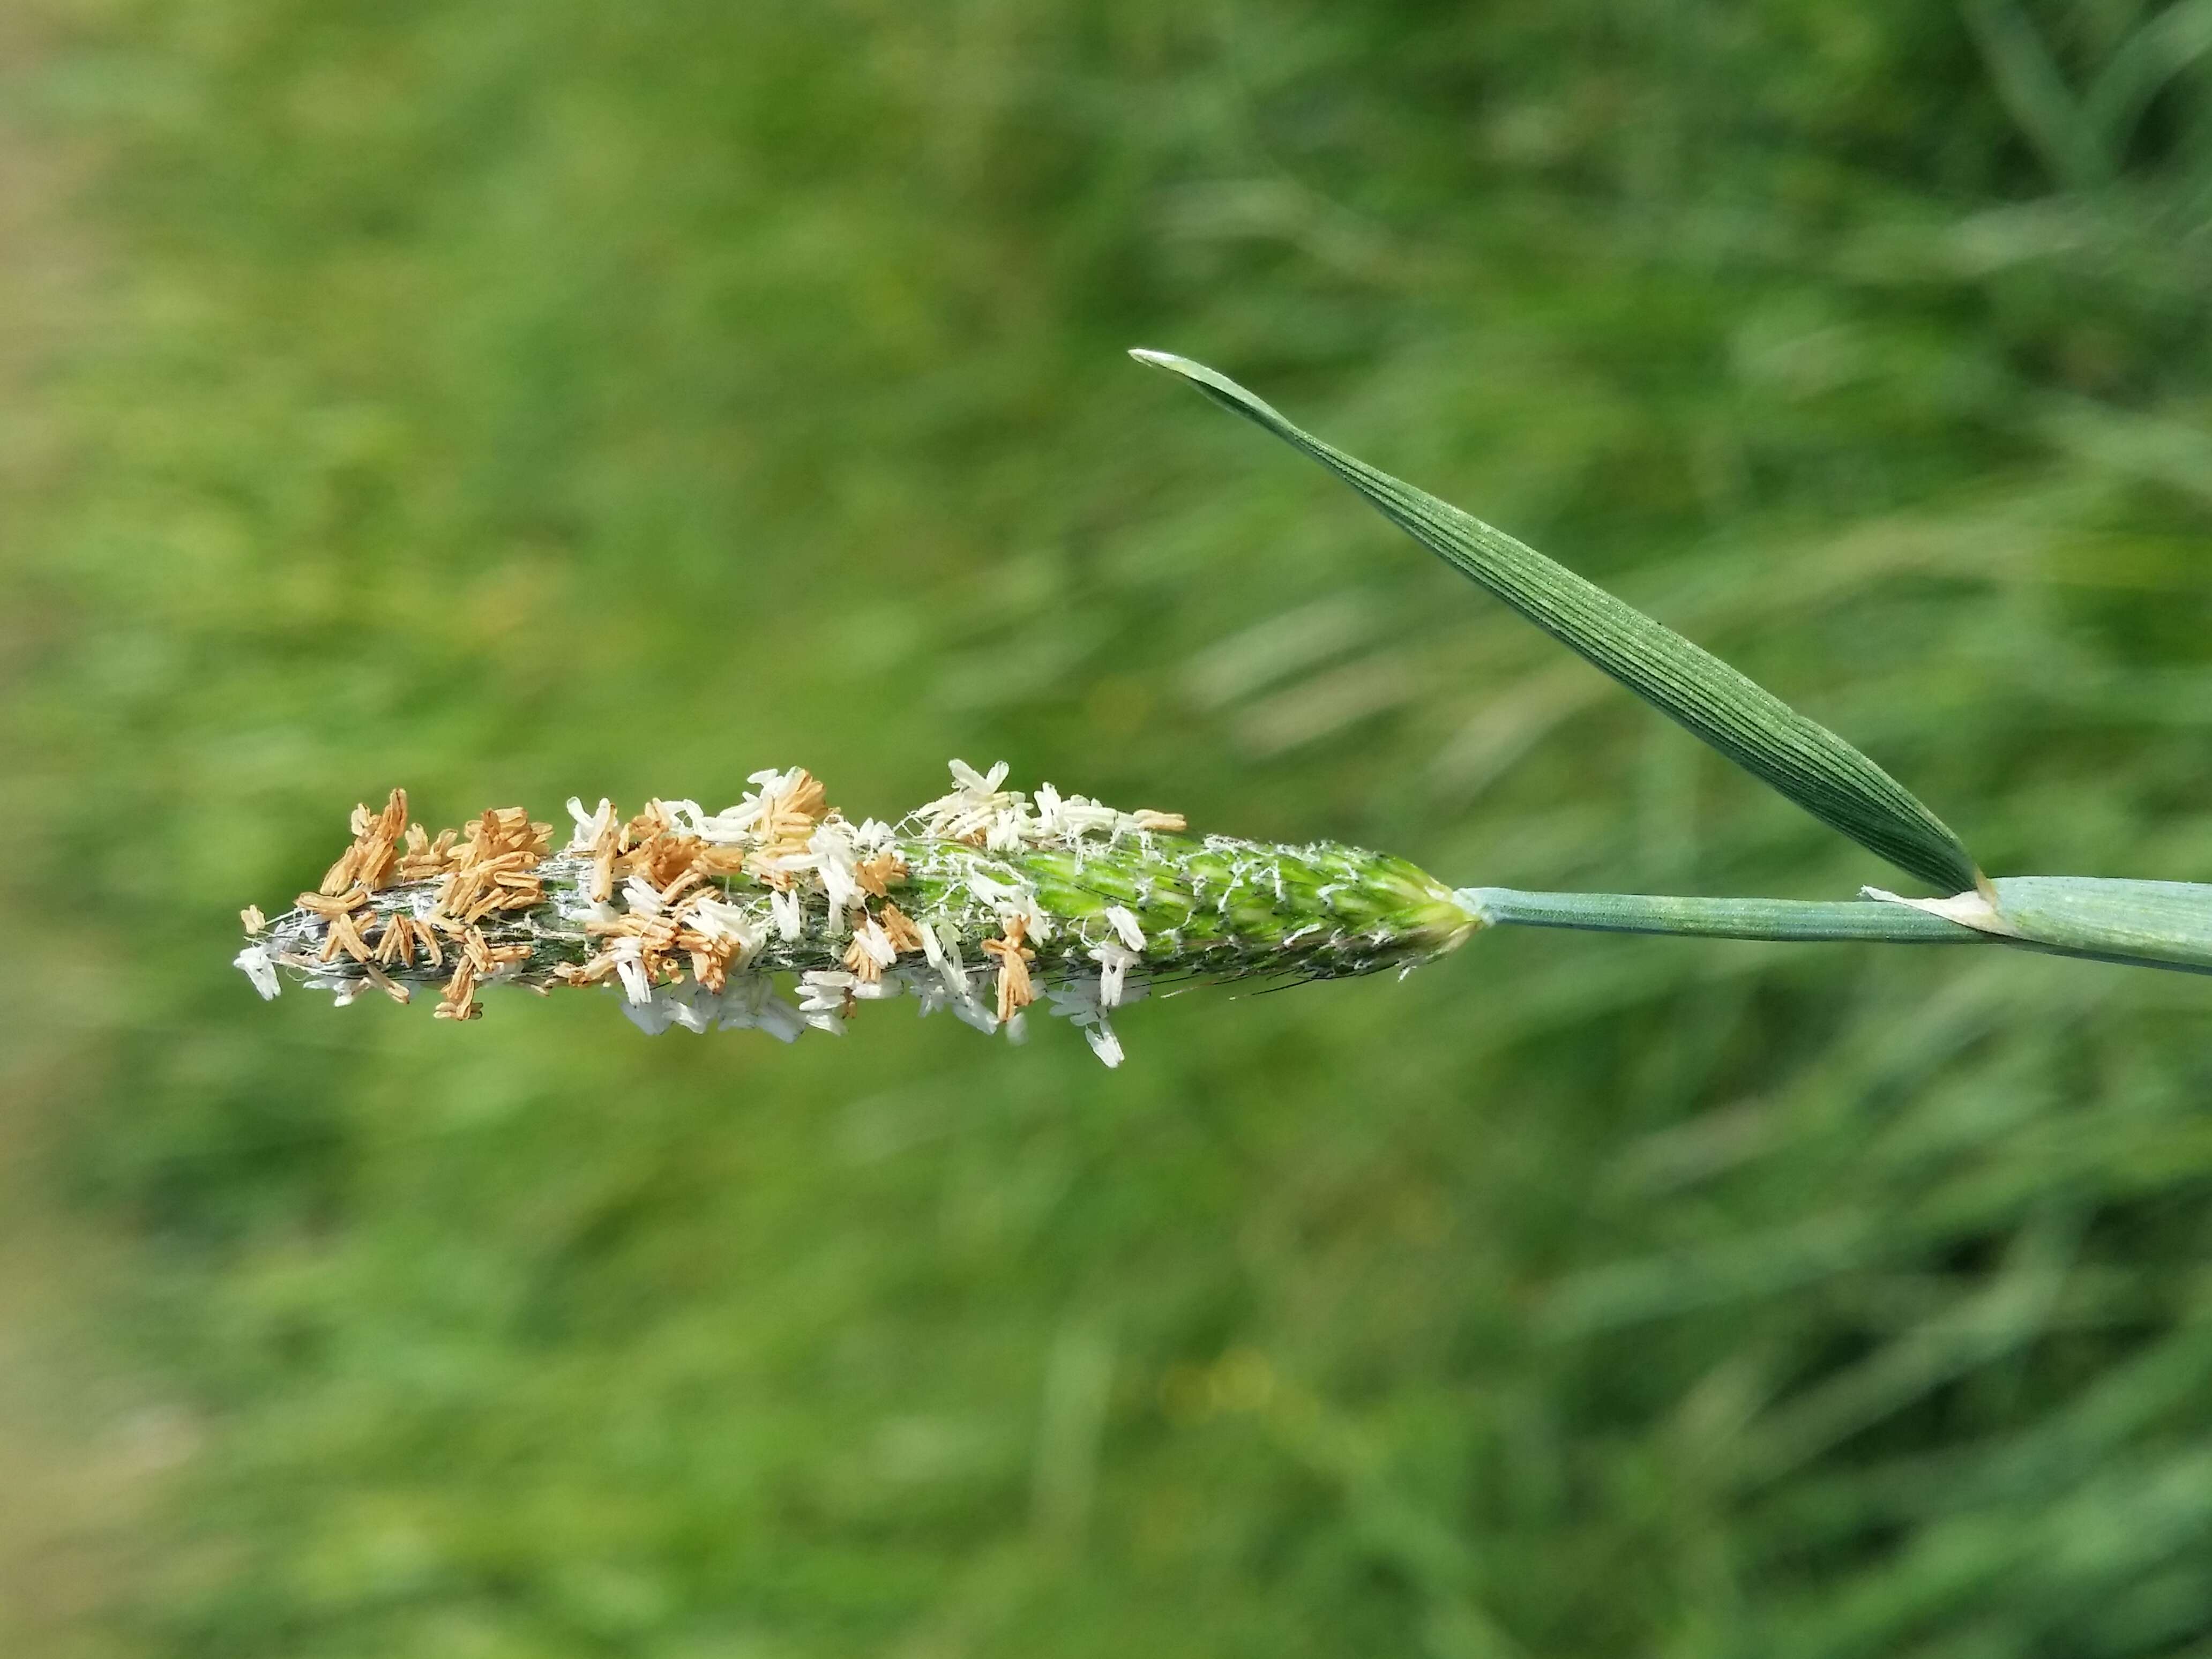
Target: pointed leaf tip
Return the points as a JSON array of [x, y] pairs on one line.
[[1794, 756], [1214, 384]]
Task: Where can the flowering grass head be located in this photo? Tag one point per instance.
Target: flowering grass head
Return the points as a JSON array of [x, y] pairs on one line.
[[781, 914]]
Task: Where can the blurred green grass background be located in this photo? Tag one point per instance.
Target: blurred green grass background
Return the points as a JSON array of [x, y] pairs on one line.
[[513, 401]]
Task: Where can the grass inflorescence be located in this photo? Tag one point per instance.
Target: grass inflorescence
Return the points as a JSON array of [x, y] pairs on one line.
[[974, 901]]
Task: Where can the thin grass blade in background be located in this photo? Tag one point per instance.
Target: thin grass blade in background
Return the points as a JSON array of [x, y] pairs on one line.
[[1797, 757], [2037, 96], [2141, 67]]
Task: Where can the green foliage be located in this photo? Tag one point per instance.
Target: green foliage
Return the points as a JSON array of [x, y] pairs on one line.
[[1799, 758], [510, 400], [2138, 923]]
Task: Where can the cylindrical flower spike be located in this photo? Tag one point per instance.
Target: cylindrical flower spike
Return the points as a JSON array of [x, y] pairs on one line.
[[976, 902]]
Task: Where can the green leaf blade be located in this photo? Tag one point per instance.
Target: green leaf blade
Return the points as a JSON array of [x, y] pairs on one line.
[[1796, 757]]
